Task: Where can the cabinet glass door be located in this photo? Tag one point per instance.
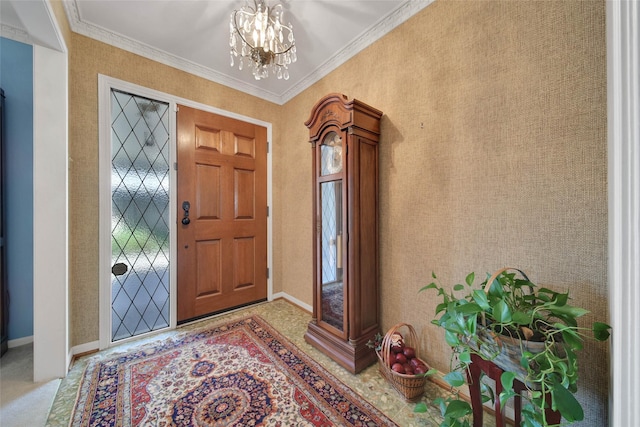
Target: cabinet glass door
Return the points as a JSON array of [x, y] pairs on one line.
[[331, 242]]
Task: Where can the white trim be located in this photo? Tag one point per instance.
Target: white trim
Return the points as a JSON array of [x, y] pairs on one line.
[[20, 341], [293, 300], [50, 214], [623, 92], [104, 213], [85, 348], [15, 34], [105, 83]]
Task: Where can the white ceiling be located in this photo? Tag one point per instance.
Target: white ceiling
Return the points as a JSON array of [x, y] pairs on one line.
[[193, 35]]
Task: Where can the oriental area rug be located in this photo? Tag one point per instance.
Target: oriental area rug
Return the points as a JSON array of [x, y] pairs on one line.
[[242, 373]]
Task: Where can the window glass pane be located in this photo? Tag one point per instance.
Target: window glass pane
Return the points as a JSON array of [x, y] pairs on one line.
[[140, 215]]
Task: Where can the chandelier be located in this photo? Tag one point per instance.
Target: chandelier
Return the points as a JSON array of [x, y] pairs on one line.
[[261, 41]]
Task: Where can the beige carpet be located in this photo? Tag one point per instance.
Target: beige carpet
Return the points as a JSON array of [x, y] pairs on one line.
[[23, 402]]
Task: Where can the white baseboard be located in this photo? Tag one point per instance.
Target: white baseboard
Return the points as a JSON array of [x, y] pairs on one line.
[[85, 348], [79, 349], [20, 341], [292, 300]]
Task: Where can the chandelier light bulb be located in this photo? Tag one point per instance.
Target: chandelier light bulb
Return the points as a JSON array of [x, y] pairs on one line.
[[258, 34]]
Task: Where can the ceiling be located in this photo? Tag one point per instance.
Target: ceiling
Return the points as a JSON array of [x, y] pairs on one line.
[[193, 35]]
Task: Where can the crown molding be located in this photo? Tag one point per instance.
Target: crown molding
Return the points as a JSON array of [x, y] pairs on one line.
[[15, 34], [382, 27], [379, 30]]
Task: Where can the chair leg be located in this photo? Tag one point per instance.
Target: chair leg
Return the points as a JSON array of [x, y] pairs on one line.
[[553, 417], [473, 377]]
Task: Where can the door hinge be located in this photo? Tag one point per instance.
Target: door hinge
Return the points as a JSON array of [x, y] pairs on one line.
[[267, 273], [267, 210], [175, 166], [268, 147]]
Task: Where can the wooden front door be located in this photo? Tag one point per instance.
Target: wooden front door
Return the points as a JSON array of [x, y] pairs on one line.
[[222, 213]]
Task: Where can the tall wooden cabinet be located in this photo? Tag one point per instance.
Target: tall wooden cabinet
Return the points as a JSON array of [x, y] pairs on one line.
[[344, 139]]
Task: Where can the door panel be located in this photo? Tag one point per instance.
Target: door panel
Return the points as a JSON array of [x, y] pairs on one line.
[[208, 192], [222, 251], [209, 253]]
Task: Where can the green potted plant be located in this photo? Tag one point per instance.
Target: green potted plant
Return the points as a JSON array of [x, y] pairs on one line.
[[509, 317]]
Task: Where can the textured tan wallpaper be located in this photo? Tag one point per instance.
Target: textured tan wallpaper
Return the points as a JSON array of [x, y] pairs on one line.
[[493, 153]]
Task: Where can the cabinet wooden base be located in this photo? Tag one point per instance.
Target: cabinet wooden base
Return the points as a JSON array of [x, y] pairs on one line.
[[353, 356]]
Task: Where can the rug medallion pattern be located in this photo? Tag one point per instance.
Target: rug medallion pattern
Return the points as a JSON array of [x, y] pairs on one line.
[[242, 373]]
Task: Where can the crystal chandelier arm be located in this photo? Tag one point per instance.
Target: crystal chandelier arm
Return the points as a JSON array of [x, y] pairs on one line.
[[236, 30]]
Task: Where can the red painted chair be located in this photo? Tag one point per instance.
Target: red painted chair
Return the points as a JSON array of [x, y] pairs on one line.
[[476, 368]]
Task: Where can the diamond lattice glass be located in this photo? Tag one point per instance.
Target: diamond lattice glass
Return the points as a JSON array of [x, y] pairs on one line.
[[139, 215]]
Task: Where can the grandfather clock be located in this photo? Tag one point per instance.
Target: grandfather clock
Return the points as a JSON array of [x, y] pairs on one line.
[[344, 139]]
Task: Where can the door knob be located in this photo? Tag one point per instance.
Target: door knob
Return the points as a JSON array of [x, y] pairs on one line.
[[119, 269], [185, 207]]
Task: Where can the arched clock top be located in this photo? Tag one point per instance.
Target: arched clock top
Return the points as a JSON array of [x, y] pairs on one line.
[[336, 110]]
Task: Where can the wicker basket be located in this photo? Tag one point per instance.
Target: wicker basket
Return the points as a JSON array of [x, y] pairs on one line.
[[411, 387]]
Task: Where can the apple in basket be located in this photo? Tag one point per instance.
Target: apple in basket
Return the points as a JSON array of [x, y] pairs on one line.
[[409, 352], [397, 367]]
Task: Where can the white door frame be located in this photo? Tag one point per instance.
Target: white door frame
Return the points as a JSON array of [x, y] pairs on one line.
[[623, 121], [105, 84]]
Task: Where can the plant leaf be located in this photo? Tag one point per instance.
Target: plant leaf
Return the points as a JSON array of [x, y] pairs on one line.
[[451, 338], [458, 287], [472, 323], [480, 297], [455, 379], [601, 331], [566, 403], [429, 286], [487, 393], [562, 299], [528, 417], [567, 310], [441, 307], [465, 357], [501, 312], [469, 279], [430, 372], [457, 409], [571, 337], [470, 308], [505, 396], [522, 317], [420, 407], [524, 359], [506, 379]]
